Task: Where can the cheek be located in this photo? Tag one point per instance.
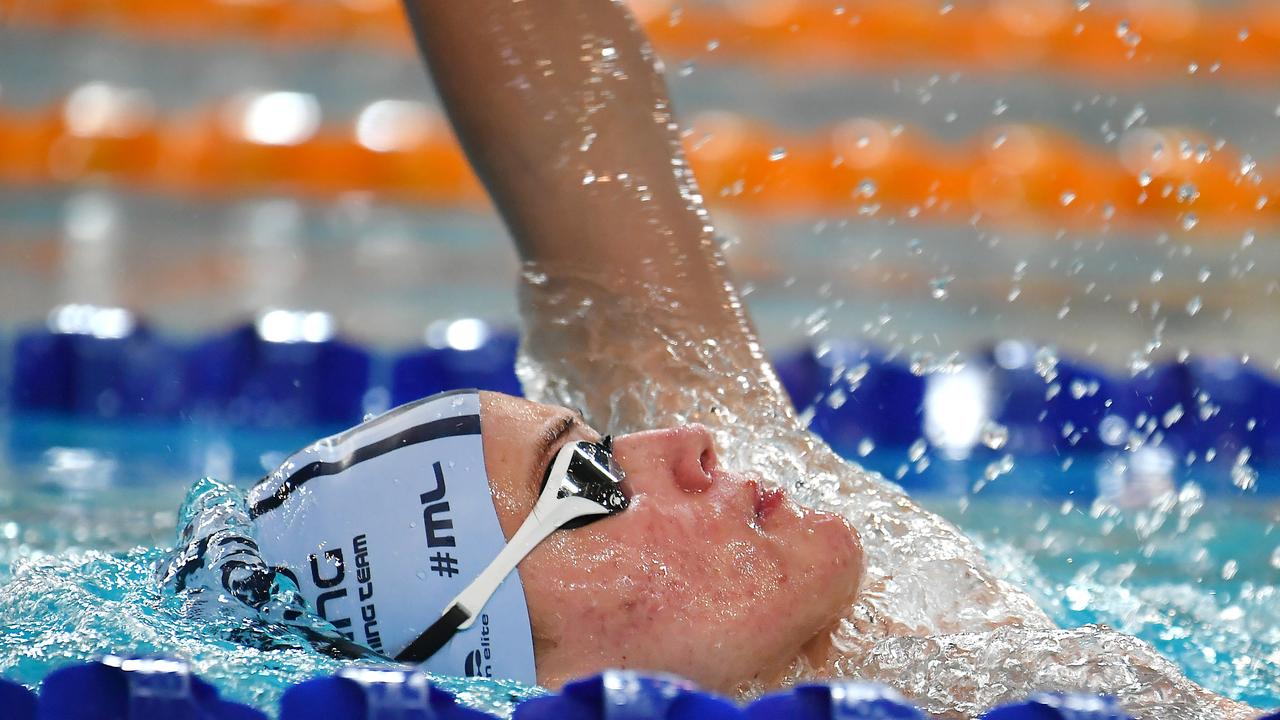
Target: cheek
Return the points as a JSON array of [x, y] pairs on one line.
[[687, 587], [649, 566], [826, 554]]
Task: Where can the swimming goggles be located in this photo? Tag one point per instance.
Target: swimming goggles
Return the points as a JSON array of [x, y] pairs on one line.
[[586, 488]]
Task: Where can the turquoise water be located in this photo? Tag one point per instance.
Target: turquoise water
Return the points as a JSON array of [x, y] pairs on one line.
[[87, 511]]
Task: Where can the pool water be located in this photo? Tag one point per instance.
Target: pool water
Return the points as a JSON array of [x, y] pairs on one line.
[[87, 509]]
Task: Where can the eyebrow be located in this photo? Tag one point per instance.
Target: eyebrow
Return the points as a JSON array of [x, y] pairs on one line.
[[552, 434]]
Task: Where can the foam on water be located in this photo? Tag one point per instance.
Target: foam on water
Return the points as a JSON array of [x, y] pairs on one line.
[[78, 604]]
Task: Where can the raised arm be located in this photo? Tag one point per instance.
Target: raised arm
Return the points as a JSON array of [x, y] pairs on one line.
[[629, 310]]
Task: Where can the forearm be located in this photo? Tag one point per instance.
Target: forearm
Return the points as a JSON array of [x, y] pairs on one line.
[[564, 115]]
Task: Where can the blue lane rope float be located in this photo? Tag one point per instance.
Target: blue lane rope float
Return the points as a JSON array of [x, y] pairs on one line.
[[134, 689], [247, 376], [628, 695], [293, 370], [489, 365], [1059, 706], [118, 688], [16, 702], [836, 700], [373, 694]]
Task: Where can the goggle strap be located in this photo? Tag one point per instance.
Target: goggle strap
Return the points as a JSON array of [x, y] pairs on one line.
[[548, 515], [541, 522], [435, 637]]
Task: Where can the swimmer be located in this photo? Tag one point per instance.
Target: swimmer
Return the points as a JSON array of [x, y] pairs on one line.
[[743, 553]]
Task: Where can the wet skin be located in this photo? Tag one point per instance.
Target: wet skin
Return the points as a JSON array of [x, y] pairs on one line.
[[707, 574]]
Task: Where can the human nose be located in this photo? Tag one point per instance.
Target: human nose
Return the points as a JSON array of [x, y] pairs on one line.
[[685, 455]]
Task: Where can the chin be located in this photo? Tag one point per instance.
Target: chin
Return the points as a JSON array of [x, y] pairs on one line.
[[833, 538]]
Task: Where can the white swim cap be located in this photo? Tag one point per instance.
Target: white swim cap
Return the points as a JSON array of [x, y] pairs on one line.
[[382, 526]]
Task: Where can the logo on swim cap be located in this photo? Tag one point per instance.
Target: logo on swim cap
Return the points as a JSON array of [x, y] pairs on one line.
[[477, 664], [382, 525]]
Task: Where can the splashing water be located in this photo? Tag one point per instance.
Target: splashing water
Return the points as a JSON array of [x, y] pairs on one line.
[[932, 619], [63, 603], [76, 605]]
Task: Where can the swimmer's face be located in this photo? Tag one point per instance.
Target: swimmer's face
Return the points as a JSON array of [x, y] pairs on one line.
[[704, 575]]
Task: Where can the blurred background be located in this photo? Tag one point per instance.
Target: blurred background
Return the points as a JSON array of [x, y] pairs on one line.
[[1091, 174], [1019, 255], [923, 186]]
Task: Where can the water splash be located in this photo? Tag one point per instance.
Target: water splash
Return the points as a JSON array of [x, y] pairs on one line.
[[932, 619], [77, 605]]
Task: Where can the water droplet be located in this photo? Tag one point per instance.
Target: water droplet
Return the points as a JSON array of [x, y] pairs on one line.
[[1066, 198], [997, 468], [865, 446], [837, 398], [1144, 178], [994, 435], [938, 286], [917, 450], [1203, 275], [1187, 192], [1122, 28], [1247, 164], [1244, 477], [1194, 305], [1190, 220], [1172, 415], [854, 375], [1014, 293], [1081, 388], [1046, 363], [1000, 107], [1275, 558], [1243, 34], [1247, 239], [867, 188], [777, 154], [1156, 276]]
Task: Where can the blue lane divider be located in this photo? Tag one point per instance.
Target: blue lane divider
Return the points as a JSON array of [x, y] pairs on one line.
[[1241, 409], [628, 695], [134, 689], [16, 702], [250, 378], [373, 694], [292, 369], [865, 396], [41, 377], [837, 700], [489, 365], [97, 362], [161, 689], [1060, 706]]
